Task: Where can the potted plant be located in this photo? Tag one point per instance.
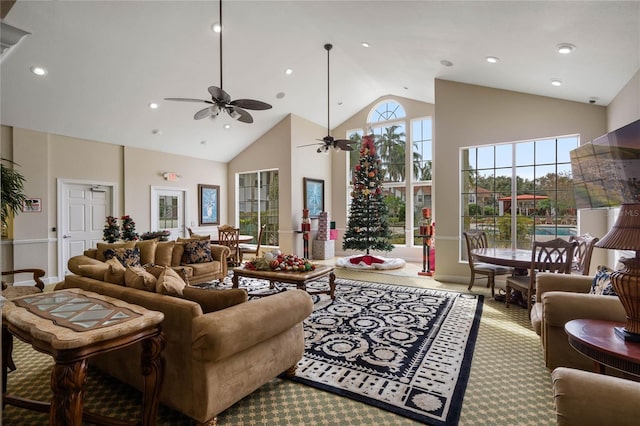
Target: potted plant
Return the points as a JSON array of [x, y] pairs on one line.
[[13, 197]]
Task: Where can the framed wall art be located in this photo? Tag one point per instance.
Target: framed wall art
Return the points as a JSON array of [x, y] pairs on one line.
[[313, 196], [32, 205], [208, 204]]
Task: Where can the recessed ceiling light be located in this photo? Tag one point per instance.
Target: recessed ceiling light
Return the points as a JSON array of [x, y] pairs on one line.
[[492, 59], [203, 142], [566, 48], [556, 82], [364, 44], [216, 27], [340, 103], [288, 71], [39, 71], [280, 95], [227, 126], [446, 63], [156, 131], [153, 105]]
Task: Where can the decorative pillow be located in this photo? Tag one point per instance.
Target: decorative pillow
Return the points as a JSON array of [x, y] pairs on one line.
[[126, 256], [154, 270], [115, 272], [147, 250], [164, 251], [101, 247], [169, 282], [602, 282], [137, 277], [93, 271], [197, 252]]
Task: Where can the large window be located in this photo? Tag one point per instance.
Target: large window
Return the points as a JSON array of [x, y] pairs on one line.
[[406, 171], [519, 192], [258, 205]]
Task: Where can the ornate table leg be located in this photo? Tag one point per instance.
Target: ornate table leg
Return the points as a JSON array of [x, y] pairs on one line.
[[332, 286], [152, 365], [234, 280], [7, 345], [67, 383]]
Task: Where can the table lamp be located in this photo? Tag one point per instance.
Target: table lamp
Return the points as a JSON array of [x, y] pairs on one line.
[[625, 235]]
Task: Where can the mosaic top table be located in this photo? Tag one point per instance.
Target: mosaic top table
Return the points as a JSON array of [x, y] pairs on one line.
[[300, 279], [71, 326]]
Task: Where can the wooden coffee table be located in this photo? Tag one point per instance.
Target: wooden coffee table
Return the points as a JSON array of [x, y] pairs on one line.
[[300, 279], [72, 325]]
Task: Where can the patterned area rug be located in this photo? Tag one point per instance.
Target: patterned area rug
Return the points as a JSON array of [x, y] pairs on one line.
[[406, 350]]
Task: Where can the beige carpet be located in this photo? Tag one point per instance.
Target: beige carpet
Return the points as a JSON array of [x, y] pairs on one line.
[[508, 384]]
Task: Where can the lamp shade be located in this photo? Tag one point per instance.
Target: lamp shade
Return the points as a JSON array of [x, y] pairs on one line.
[[625, 234]]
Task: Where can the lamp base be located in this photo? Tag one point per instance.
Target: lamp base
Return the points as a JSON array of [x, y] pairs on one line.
[[625, 335]]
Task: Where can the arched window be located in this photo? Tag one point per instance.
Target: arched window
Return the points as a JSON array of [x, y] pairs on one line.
[[407, 173]]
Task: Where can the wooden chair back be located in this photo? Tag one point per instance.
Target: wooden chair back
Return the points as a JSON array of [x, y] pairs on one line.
[[36, 275], [582, 253], [475, 239], [554, 256], [229, 236]]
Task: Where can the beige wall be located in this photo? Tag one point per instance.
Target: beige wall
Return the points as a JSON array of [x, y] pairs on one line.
[[625, 107], [45, 158], [473, 115]]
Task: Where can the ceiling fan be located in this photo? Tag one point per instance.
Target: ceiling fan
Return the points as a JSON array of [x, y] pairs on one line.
[[328, 142], [221, 101]]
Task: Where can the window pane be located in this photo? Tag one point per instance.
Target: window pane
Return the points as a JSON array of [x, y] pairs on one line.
[[394, 198], [390, 146], [546, 151], [258, 204], [422, 146], [421, 198], [504, 155], [524, 153]]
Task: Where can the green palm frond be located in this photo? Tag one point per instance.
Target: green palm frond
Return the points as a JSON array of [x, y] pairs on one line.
[[12, 190]]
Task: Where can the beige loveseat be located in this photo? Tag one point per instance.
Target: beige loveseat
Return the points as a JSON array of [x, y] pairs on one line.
[[219, 346], [163, 253], [588, 399], [559, 299]]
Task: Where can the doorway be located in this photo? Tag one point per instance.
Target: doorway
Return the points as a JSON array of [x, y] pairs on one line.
[[168, 210], [82, 209]]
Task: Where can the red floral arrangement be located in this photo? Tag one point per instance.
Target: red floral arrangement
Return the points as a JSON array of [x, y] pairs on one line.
[[276, 261]]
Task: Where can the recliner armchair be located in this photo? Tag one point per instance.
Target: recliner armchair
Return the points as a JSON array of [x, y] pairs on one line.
[[559, 299]]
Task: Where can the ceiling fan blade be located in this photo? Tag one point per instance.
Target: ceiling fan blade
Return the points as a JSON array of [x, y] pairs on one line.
[[309, 144], [239, 114], [219, 94], [203, 113], [250, 104], [344, 144], [187, 100]]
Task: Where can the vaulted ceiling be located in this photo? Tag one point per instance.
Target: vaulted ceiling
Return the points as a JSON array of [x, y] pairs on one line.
[[107, 61]]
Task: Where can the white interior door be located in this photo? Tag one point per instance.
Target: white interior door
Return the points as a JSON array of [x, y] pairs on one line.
[[168, 211], [83, 207]]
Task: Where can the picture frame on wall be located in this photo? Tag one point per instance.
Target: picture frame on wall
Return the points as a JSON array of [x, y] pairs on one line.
[[32, 205], [208, 205], [313, 196]]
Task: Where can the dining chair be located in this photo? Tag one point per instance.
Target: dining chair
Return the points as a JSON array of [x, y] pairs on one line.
[[555, 256], [582, 253], [252, 248], [478, 239], [229, 236]]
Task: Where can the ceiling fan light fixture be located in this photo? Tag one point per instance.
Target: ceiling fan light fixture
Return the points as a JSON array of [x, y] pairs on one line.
[[216, 27]]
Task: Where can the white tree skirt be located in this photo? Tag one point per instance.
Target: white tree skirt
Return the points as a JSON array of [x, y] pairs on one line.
[[369, 262]]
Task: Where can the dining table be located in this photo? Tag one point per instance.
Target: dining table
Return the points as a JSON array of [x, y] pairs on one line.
[[519, 259], [242, 239]]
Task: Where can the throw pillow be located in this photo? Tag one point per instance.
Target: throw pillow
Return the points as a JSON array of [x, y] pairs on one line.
[[198, 251], [147, 250], [93, 271], [169, 282], [154, 270], [101, 247], [602, 282], [126, 256], [136, 277], [115, 273], [164, 251]]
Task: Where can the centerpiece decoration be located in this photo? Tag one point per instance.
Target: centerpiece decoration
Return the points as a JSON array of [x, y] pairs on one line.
[[276, 261]]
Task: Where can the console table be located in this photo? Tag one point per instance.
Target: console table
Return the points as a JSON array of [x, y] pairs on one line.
[[597, 340], [71, 326]]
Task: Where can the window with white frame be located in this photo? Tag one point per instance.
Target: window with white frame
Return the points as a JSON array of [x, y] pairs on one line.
[[406, 171], [258, 204], [519, 192]]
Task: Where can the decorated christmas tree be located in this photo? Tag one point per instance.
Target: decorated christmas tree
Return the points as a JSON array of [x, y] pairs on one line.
[[111, 232], [129, 229], [367, 228]]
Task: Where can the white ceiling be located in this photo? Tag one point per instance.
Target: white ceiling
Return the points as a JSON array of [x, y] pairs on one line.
[[107, 60]]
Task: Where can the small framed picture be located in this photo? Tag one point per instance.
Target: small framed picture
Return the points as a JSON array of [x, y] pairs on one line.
[[32, 205], [313, 196], [208, 204]]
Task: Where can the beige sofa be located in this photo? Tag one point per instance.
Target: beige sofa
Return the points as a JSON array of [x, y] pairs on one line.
[[163, 253], [219, 346], [588, 399], [559, 299]]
